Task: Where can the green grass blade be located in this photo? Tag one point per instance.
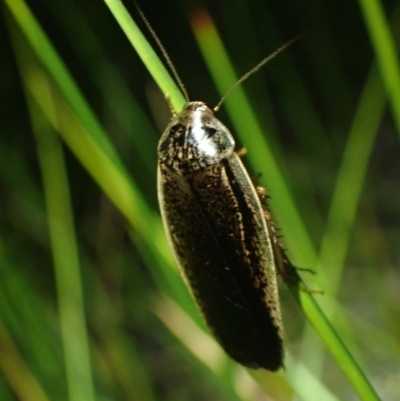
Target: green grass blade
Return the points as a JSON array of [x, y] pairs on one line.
[[66, 263], [385, 52], [146, 53], [53, 64], [345, 202], [334, 343], [125, 110], [86, 137], [351, 178], [42, 93]]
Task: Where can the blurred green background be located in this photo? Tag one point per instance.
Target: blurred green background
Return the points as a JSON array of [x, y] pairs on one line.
[[91, 304]]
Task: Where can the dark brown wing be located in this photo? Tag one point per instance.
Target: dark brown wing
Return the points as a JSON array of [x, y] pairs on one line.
[[215, 226]]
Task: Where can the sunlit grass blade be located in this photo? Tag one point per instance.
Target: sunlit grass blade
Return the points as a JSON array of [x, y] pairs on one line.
[[351, 178], [111, 176], [124, 108], [70, 327], [385, 52], [146, 53], [336, 346], [84, 134], [66, 262], [344, 204]]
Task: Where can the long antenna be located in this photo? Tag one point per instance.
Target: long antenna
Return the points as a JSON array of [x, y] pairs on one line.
[[256, 68], [164, 52]]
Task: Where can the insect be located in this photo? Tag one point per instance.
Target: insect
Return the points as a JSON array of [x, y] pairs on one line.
[[223, 240]]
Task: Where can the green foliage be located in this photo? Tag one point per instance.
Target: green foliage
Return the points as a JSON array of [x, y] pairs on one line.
[[92, 306]]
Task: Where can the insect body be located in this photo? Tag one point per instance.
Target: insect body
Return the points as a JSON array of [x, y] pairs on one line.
[[219, 234], [223, 241]]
